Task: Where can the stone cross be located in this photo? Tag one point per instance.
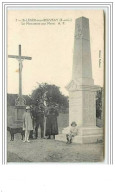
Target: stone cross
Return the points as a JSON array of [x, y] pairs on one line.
[[20, 101]]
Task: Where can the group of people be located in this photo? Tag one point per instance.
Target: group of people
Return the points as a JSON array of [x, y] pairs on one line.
[[44, 118], [41, 117]]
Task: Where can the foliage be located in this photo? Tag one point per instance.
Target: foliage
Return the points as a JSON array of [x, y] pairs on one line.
[[50, 94], [99, 104]]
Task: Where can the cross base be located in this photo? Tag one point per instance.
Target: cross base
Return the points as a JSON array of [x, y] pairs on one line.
[[19, 111], [20, 101]]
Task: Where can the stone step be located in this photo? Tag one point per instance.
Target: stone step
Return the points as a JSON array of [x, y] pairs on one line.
[[85, 130], [61, 137], [90, 131], [88, 139], [81, 139]]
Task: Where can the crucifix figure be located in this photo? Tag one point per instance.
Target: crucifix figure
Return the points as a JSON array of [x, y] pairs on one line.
[[20, 101]]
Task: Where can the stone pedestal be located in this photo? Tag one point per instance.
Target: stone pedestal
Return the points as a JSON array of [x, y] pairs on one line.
[[82, 104], [19, 111], [82, 110], [20, 106]]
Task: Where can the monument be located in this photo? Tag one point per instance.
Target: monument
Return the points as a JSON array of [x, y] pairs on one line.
[[20, 102], [82, 91]]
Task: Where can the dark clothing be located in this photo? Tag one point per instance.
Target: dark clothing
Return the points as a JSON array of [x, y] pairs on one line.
[[51, 122], [31, 134], [41, 124], [32, 113], [39, 120]]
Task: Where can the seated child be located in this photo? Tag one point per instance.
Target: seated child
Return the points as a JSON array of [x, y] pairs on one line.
[[73, 132]]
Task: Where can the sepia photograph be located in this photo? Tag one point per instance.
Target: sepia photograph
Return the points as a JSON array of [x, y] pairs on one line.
[[55, 86]]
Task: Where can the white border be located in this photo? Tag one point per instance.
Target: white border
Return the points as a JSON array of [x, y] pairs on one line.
[[107, 7], [66, 178]]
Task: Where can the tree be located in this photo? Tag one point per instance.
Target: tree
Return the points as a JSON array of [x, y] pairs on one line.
[[99, 103], [49, 93]]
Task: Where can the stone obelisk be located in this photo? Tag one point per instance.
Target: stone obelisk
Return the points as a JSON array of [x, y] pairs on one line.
[[82, 91]]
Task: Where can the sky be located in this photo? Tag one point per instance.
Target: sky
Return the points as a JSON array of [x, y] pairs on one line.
[[50, 44]]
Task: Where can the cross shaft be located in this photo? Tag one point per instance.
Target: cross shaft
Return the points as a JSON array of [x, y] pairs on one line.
[[20, 59]]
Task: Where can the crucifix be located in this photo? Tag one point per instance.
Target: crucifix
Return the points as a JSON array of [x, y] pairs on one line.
[[20, 100]]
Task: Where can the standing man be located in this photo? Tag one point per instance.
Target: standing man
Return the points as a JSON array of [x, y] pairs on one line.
[[39, 118]]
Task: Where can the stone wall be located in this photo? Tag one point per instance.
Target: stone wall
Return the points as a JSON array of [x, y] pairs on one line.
[[10, 114]]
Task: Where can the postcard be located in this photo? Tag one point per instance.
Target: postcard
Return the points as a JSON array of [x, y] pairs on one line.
[[55, 85]]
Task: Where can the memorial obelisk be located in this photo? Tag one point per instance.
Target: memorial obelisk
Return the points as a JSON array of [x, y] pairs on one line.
[[82, 91]]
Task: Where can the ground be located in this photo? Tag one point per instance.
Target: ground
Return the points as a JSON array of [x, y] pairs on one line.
[[44, 150]]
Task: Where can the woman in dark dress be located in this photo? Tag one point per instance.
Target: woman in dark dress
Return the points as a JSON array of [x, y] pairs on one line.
[[51, 122]]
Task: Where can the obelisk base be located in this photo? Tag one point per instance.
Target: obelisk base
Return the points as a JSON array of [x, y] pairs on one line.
[[85, 135]]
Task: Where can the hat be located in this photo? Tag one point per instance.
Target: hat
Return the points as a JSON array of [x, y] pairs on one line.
[[74, 123], [27, 107]]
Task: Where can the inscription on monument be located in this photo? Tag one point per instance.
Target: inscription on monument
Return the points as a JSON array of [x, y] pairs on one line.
[[78, 31]]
